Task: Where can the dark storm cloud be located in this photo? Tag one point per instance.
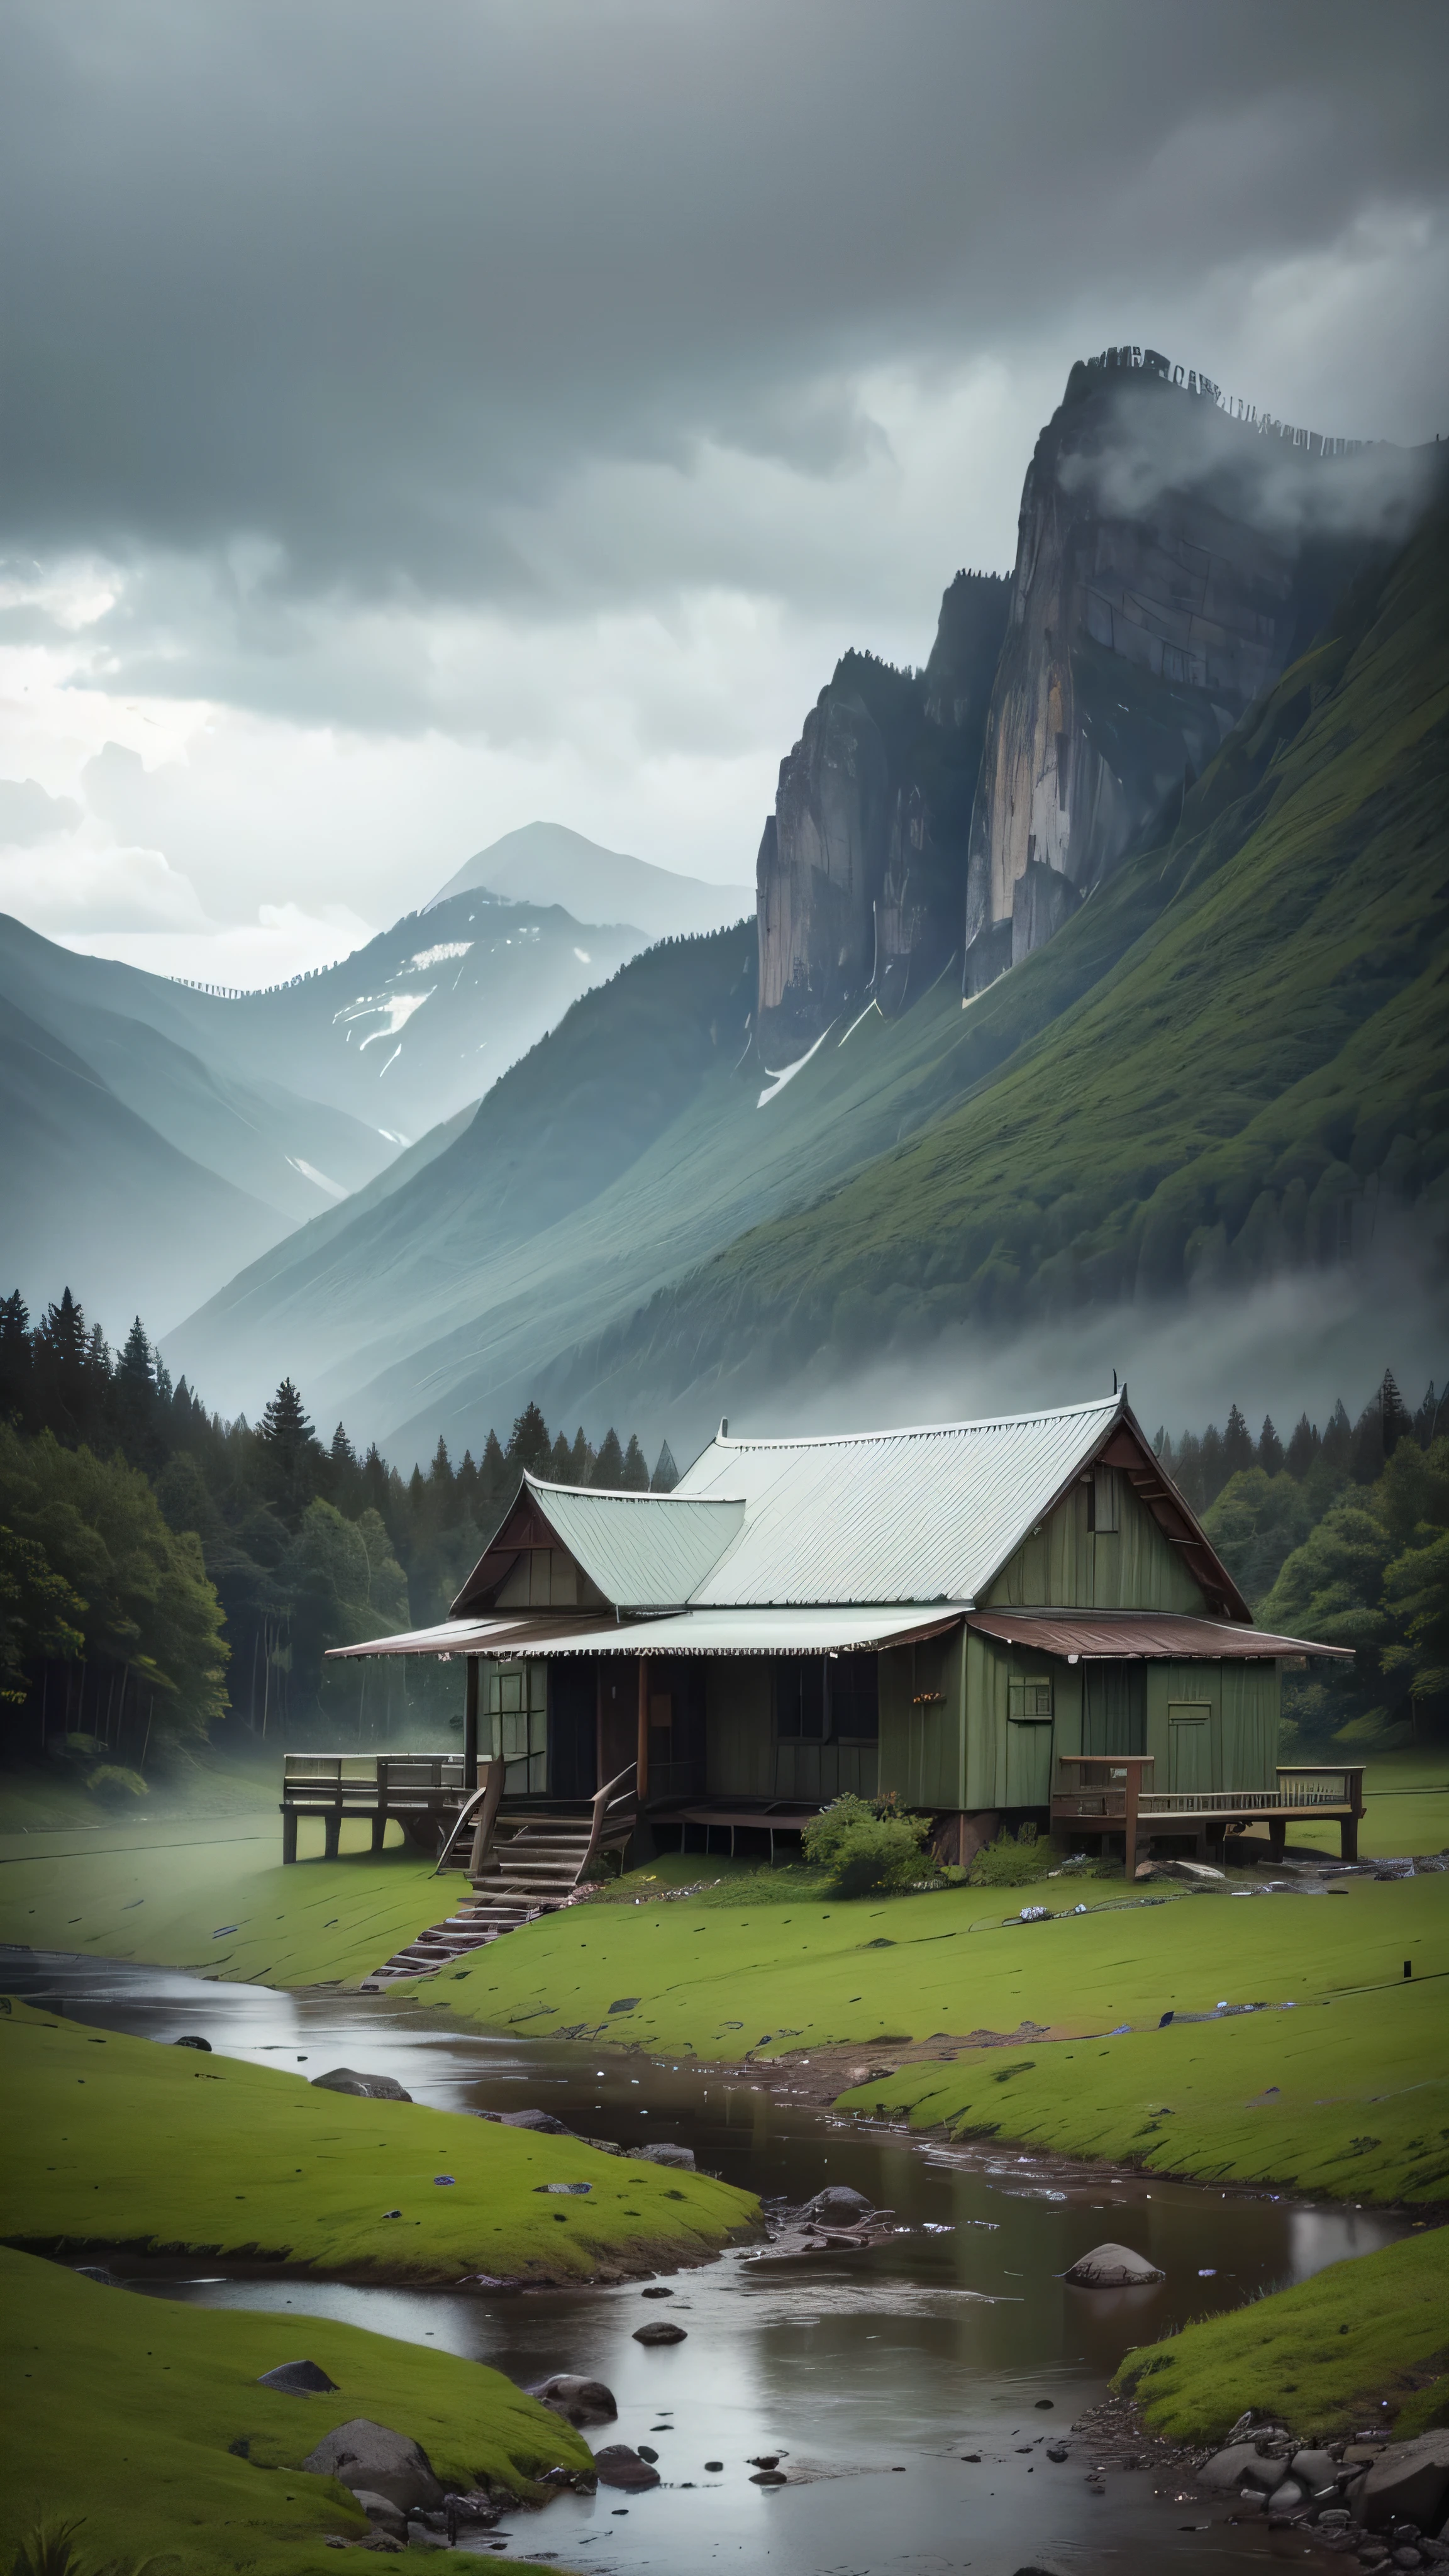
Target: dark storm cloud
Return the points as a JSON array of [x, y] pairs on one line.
[[359, 281]]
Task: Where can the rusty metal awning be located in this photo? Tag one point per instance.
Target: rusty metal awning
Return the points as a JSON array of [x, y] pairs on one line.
[[1137, 1636]]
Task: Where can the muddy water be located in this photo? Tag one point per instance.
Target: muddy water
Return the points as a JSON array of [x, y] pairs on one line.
[[871, 2379]]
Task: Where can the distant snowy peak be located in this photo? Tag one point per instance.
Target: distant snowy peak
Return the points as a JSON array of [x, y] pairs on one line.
[[546, 863]]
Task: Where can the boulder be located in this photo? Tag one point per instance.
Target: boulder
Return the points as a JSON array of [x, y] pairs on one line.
[[1288, 2497], [1241, 2465], [97, 2272], [373, 2088], [582, 2401], [1314, 2470], [618, 2466], [1409, 2482], [536, 2120], [1111, 2267], [660, 2331], [838, 2206], [382, 2513], [373, 2458], [192, 2041], [298, 2378], [683, 2157]]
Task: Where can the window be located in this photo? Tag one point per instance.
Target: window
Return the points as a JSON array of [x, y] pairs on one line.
[[518, 1717], [1029, 1699], [854, 1688], [1104, 1501], [800, 1700], [822, 1699]]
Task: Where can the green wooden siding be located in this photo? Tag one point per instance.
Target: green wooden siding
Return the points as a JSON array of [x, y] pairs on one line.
[[1067, 1565], [921, 1722], [1242, 1703], [746, 1760]]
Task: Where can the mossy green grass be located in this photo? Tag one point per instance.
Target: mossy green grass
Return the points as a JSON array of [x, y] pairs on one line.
[[214, 1897], [142, 2419], [1349, 2097], [765, 1982], [1363, 2343], [113, 2140]]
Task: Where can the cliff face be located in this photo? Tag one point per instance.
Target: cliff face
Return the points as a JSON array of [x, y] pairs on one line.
[[1152, 602], [861, 874]]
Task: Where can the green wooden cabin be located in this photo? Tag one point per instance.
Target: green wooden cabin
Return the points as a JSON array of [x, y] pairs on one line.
[[998, 1621]]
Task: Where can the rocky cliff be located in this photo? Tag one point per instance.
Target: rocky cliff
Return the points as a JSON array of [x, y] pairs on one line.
[[861, 875], [1161, 584]]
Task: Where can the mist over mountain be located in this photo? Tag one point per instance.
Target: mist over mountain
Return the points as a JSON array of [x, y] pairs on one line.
[[545, 863], [1208, 1054]]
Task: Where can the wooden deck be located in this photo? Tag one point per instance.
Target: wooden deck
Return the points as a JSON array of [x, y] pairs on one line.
[[1101, 1794], [424, 1791]]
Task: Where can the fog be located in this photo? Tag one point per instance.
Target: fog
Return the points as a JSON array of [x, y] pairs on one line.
[[1296, 1344]]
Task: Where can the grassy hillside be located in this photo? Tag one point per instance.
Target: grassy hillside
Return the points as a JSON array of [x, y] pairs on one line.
[[143, 2421], [1253, 1070], [114, 2141], [1318, 2356]]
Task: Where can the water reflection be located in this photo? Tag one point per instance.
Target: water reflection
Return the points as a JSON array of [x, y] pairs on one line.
[[872, 2382]]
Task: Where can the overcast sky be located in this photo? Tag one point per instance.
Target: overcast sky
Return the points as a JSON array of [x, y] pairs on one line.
[[424, 415]]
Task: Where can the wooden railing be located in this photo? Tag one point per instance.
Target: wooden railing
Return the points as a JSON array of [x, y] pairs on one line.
[[613, 1815], [366, 1773]]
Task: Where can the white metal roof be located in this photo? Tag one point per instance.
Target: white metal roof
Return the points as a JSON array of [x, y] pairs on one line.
[[644, 1551], [924, 1515], [689, 1632]]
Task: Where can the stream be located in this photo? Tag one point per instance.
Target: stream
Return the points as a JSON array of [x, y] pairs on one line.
[[959, 2337]]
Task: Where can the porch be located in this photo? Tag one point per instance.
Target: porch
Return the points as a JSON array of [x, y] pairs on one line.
[[1102, 1794]]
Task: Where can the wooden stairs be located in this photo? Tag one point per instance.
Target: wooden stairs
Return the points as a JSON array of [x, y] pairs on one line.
[[520, 1867]]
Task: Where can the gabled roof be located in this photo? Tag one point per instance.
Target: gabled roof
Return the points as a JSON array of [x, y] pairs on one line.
[[929, 1514], [644, 1551], [925, 1516]]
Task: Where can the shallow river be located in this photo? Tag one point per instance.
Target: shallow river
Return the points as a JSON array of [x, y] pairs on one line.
[[871, 2383]]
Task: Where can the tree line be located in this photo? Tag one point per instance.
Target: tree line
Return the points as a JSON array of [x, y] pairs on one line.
[[160, 1567], [1340, 1534]]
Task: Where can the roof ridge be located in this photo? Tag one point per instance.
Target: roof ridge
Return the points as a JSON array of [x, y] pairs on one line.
[[619, 1493], [913, 1430]]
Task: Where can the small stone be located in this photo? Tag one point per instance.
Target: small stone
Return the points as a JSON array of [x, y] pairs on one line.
[[298, 2379], [581, 2401], [191, 2040], [682, 2157], [97, 2272], [714, 2466], [618, 2466], [660, 2331], [1058, 2451], [1111, 2267], [371, 2088], [542, 2120], [656, 2290], [646, 2454]]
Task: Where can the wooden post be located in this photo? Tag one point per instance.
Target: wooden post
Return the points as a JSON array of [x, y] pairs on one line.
[[1129, 1821], [470, 1727], [289, 1833], [332, 1831], [643, 1759]]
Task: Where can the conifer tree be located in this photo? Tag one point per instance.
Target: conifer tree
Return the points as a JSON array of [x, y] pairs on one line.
[[16, 1362], [1394, 1414], [561, 1459], [1212, 1474], [634, 1474], [581, 1459], [292, 1451], [1302, 1449], [609, 1464], [493, 1474], [529, 1446], [1337, 1442], [666, 1474], [1270, 1448], [1237, 1443]]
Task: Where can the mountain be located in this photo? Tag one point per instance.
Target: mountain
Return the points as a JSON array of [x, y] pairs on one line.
[[862, 866], [1232, 1064], [545, 863], [87, 1187], [1229, 1062], [292, 1155]]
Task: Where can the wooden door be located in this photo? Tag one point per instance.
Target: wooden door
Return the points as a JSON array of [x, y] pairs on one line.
[[1189, 1749]]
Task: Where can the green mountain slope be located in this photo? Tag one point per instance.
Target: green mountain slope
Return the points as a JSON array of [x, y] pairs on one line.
[[89, 1190], [1256, 1078]]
